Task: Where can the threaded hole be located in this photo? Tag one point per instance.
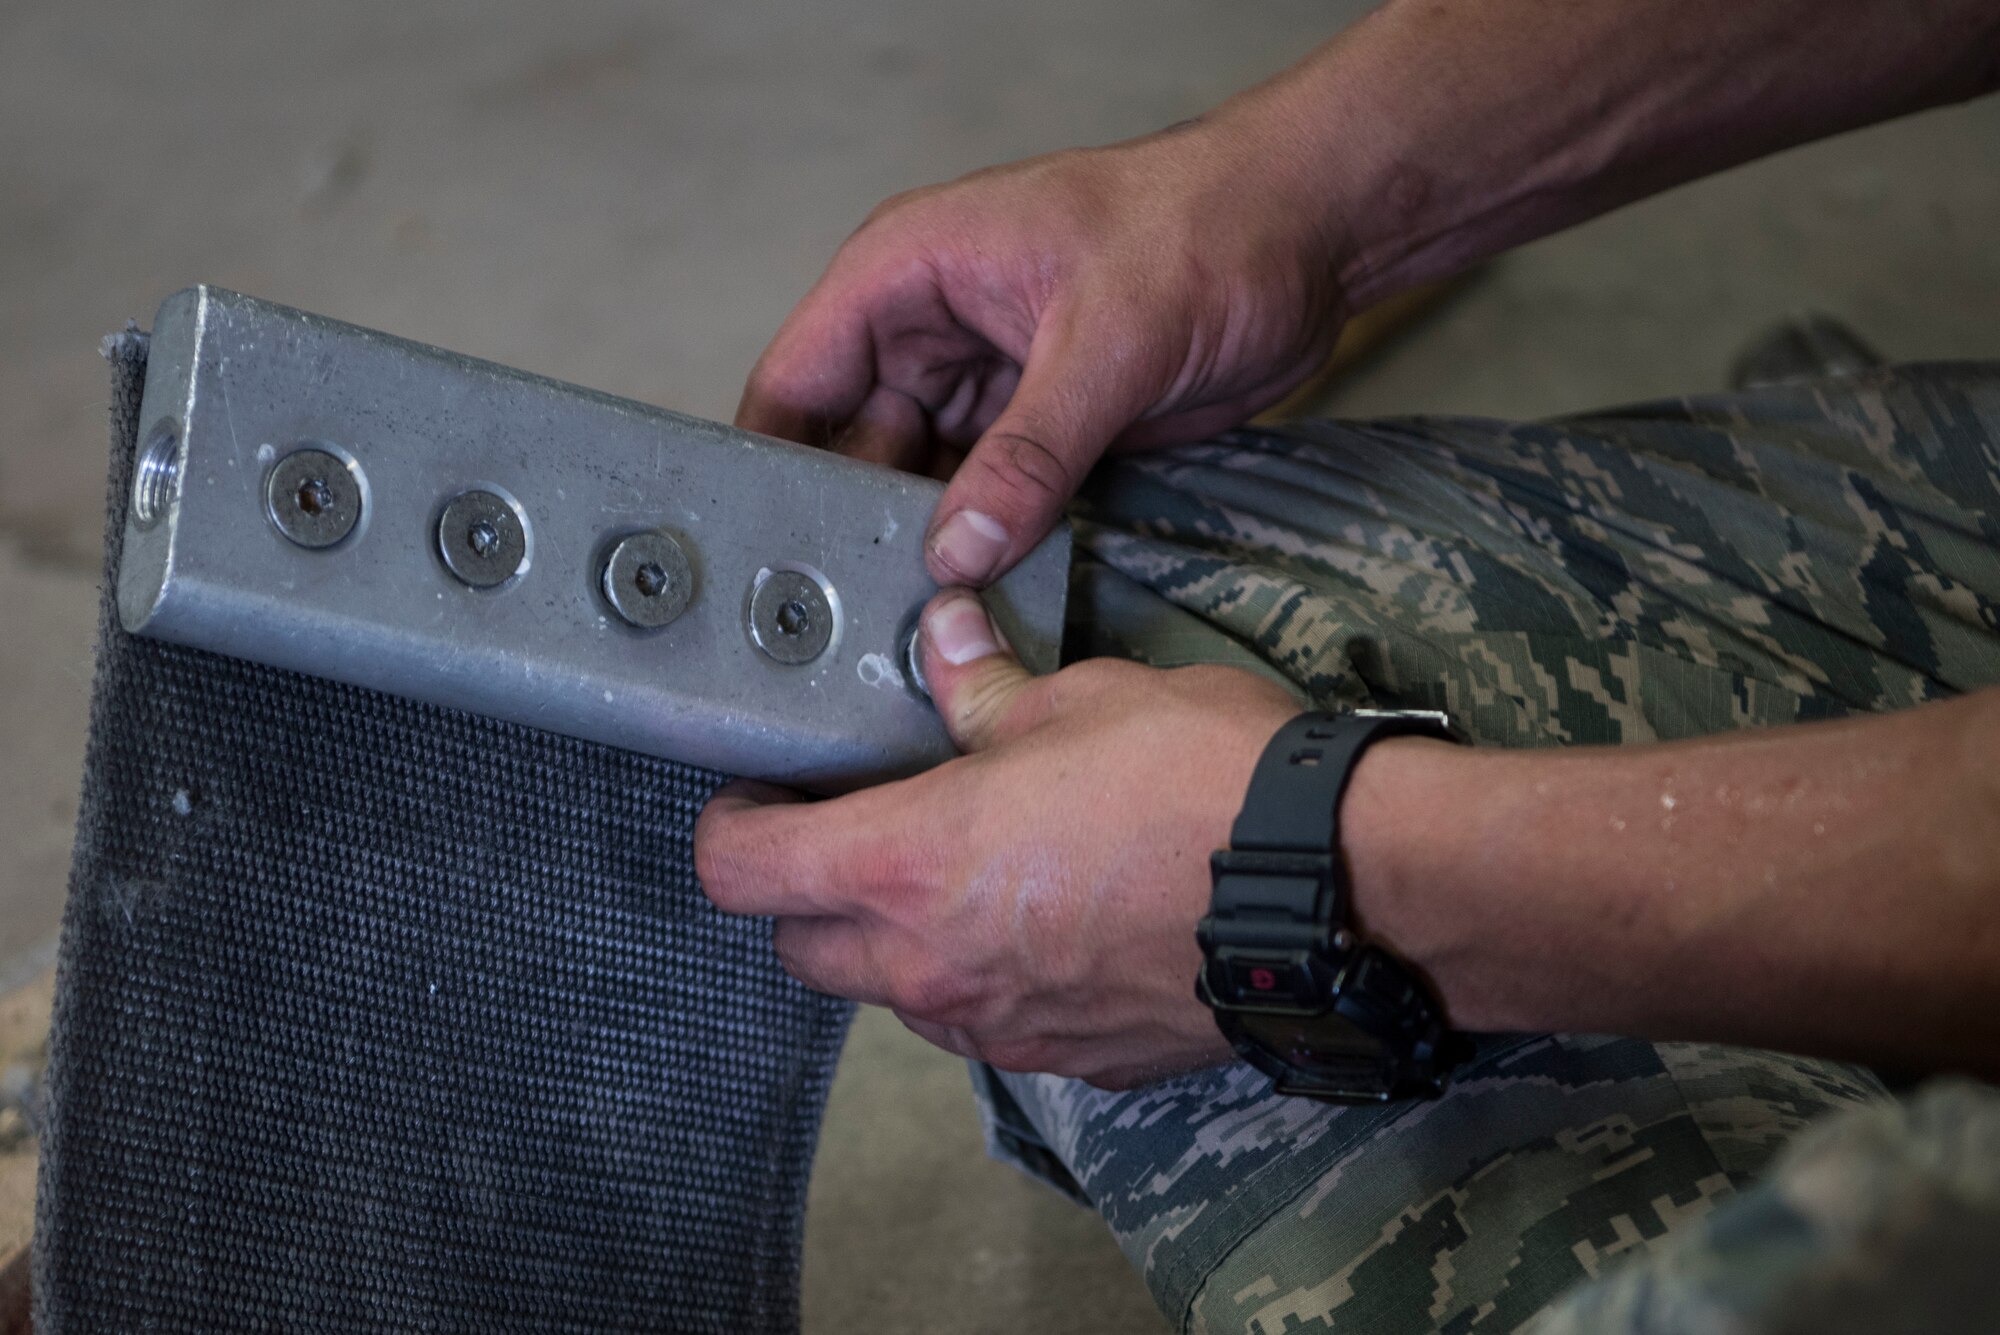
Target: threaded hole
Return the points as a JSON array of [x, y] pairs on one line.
[[157, 473]]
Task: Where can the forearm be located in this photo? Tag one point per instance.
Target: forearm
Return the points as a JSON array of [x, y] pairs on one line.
[[1438, 132], [1830, 888]]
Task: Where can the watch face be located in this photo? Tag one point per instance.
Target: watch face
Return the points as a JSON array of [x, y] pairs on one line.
[[1310, 1042]]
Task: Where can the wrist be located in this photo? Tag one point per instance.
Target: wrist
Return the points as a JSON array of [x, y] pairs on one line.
[[1421, 160], [1408, 834], [1334, 130], [1299, 993], [1271, 169]]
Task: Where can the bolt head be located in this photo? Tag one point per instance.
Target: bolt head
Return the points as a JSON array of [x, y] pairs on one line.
[[313, 497], [790, 616], [647, 579], [481, 539]]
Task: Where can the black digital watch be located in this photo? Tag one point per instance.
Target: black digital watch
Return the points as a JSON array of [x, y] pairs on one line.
[[1294, 990]]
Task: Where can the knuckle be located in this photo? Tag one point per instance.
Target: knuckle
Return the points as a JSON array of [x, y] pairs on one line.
[[905, 220], [933, 992], [1021, 1055], [893, 205], [768, 387], [1033, 473], [1210, 679], [791, 942], [1093, 677], [1203, 676], [713, 864], [1097, 673], [788, 941], [983, 702], [785, 945], [762, 382], [891, 869]]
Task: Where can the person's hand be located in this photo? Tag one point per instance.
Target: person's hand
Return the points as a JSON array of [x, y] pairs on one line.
[[1033, 902], [1148, 293]]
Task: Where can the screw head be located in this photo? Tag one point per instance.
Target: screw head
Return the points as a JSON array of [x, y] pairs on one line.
[[791, 618], [313, 497], [647, 579], [481, 539]]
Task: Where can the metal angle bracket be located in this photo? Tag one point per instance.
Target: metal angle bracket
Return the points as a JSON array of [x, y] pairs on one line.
[[324, 498]]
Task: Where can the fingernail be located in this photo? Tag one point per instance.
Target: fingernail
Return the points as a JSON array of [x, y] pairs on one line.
[[960, 631], [971, 544]]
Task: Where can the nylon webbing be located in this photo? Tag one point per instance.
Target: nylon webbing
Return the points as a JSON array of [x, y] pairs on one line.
[[374, 1015]]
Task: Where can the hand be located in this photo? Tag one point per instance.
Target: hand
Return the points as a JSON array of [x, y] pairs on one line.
[[1032, 903], [1148, 293]]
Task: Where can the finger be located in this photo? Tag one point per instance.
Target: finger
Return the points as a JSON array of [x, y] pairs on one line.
[[761, 849], [820, 378], [830, 955], [981, 691], [950, 1037], [889, 428], [1094, 1059], [815, 375], [1069, 405]]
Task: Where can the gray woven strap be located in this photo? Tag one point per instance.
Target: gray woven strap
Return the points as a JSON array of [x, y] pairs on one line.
[[373, 1015]]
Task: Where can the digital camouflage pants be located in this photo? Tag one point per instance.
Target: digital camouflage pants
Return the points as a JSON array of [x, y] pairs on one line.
[[1667, 571]]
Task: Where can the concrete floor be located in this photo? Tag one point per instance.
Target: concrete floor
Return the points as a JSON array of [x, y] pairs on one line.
[[630, 196]]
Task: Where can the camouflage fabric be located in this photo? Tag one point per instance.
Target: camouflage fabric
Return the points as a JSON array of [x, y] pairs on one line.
[[1883, 1219], [1665, 571]]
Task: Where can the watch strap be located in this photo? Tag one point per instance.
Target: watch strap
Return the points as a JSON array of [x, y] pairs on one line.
[[1294, 800], [1277, 940]]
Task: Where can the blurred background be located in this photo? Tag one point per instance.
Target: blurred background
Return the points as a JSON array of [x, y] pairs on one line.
[[630, 196]]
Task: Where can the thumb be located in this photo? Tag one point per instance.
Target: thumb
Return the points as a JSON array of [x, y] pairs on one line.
[[1070, 404], [973, 677]]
